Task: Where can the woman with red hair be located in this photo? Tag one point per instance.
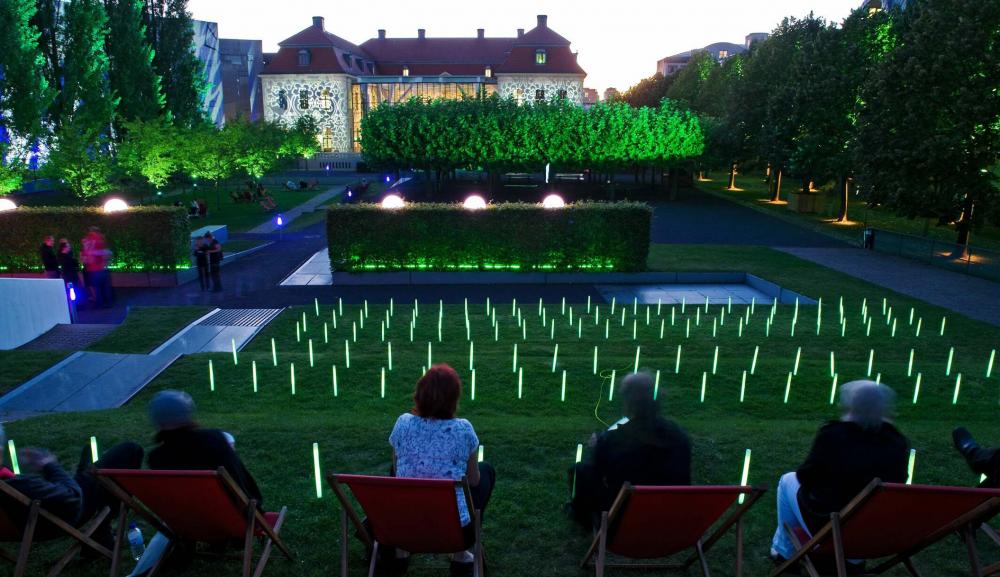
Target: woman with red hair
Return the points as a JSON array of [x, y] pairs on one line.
[[430, 442]]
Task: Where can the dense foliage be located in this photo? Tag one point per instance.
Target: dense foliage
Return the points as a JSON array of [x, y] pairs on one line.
[[523, 237], [141, 239]]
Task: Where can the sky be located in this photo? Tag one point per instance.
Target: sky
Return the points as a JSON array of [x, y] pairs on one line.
[[618, 41]]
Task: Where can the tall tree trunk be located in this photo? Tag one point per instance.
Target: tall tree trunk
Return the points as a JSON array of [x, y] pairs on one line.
[[732, 176], [776, 193], [844, 189]]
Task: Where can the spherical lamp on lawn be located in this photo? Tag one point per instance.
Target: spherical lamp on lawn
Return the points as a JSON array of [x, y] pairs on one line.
[[115, 205], [393, 201], [474, 202], [7, 204], [553, 201]]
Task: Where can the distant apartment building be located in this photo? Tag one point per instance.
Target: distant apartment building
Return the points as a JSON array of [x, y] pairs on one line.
[[719, 50], [590, 97], [873, 5], [231, 69], [611, 93]]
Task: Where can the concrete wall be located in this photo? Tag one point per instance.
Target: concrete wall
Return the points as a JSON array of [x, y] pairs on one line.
[[30, 307]]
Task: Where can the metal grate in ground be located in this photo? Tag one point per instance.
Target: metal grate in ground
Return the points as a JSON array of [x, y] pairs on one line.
[[69, 337], [241, 318]]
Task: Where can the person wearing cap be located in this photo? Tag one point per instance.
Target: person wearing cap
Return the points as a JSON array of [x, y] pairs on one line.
[[182, 444], [846, 455]]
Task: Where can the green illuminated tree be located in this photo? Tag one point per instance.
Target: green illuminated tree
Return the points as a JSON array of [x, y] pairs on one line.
[[49, 21], [690, 81], [170, 32], [131, 62], [149, 151], [80, 163], [88, 101]]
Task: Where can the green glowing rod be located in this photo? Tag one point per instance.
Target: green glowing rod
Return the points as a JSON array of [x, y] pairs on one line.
[[868, 328], [354, 331], [888, 317], [236, 361], [635, 306], [843, 327], [920, 323], [597, 315], [743, 386], [563, 310], [687, 330], [746, 474], [788, 387], [767, 328], [326, 334], [951, 357], [884, 303], [635, 369], [513, 307], [662, 327], [333, 370], [832, 365], [893, 334], [722, 317], [389, 353], [871, 361], [311, 353], [798, 357], [305, 327], [611, 390], [672, 311], [912, 311], [715, 360], [361, 319], [473, 384], [211, 376], [623, 316], [916, 388], [274, 353], [253, 369], [729, 304], [439, 329], [656, 385], [753, 304], [479, 457], [833, 388], [416, 308], [595, 359], [514, 365], [683, 304], [291, 375], [635, 328], [94, 454], [316, 472], [562, 394], [366, 312], [579, 457], [298, 332], [544, 322], [697, 317], [909, 466], [579, 327], [704, 385], [753, 363], [472, 347], [613, 301], [714, 328], [496, 332], [555, 357], [647, 316], [677, 362], [944, 320], [909, 365], [429, 364], [607, 328], [411, 332], [13, 457], [392, 306], [878, 378], [316, 304], [552, 331], [347, 354], [740, 332], [659, 305], [588, 304], [487, 306], [989, 364], [706, 305], [958, 387], [383, 382], [520, 381]]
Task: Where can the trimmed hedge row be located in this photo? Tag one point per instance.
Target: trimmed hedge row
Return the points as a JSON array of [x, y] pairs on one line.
[[515, 236], [142, 239]]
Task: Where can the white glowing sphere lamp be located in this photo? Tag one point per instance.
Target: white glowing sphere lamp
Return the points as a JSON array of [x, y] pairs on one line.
[[474, 202], [393, 201], [7, 204], [115, 205], [553, 201]]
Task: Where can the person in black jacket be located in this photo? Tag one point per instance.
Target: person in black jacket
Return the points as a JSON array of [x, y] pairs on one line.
[[982, 461], [201, 260], [69, 266], [48, 255], [642, 449], [846, 456]]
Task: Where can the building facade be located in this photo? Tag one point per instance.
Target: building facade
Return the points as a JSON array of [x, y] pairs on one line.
[[318, 74], [719, 50]]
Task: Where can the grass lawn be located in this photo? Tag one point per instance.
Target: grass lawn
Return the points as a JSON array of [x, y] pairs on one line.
[[531, 440], [19, 366], [146, 328], [753, 191]]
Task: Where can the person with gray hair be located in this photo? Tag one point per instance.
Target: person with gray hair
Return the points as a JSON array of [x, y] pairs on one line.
[[643, 449], [846, 455]]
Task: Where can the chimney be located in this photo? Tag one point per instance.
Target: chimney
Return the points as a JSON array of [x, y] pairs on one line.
[[421, 33], [381, 33], [480, 33], [543, 21], [520, 32], [318, 22]]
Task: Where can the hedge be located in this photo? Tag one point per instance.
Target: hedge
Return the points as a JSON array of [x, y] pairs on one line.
[[515, 236], [142, 239]]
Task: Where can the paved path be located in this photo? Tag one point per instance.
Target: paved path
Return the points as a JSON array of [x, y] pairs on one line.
[[68, 337], [971, 296], [308, 206]]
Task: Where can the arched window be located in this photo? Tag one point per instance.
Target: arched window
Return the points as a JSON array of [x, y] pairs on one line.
[[325, 102], [282, 100], [304, 57], [540, 56], [326, 140], [303, 100], [519, 96]]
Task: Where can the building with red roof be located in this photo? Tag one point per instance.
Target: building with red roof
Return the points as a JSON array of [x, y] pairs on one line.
[[322, 75]]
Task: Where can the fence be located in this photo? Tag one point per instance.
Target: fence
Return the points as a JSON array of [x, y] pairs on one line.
[[968, 260]]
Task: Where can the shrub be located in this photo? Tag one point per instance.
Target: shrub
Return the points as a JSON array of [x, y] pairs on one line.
[[516, 236], [141, 239]]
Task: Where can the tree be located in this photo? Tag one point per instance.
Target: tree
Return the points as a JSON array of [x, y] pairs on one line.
[[929, 134], [131, 62], [170, 32], [302, 139], [649, 91], [690, 81], [88, 101], [149, 151], [209, 154], [48, 20], [81, 164]]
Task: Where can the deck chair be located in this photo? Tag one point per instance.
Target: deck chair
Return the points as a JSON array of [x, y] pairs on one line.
[[206, 506], [23, 521], [648, 522], [415, 515], [895, 522], [992, 533]]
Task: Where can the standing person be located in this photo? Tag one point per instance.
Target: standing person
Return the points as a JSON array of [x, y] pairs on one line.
[[201, 260], [645, 449], [95, 263], [214, 251], [430, 442], [68, 265], [48, 254]]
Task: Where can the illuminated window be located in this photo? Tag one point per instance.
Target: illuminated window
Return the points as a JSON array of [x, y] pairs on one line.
[[406, 71], [326, 140], [303, 99], [562, 94], [539, 56], [519, 96], [282, 100], [723, 54], [539, 95], [325, 102], [303, 58], [489, 72]]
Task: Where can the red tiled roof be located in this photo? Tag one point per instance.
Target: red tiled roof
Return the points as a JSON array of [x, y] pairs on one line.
[[541, 36], [484, 51], [316, 36], [558, 60]]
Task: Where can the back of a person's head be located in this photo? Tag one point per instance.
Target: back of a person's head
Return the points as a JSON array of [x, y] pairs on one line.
[[866, 403], [170, 409], [637, 391], [437, 393]]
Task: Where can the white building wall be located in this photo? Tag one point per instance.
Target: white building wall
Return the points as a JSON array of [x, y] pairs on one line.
[[508, 86], [30, 307], [335, 116]]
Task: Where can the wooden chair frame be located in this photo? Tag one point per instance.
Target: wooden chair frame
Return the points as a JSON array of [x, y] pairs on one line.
[[992, 533], [348, 512], [964, 526], [82, 537], [598, 547], [255, 520]]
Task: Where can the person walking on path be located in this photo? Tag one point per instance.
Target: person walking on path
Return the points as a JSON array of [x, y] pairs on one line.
[[49, 261], [201, 260], [214, 250], [95, 263]]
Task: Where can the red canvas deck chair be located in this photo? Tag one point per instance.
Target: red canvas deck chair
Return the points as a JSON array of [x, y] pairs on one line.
[[23, 521], [647, 522], [205, 506], [895, 522], [415, 515]]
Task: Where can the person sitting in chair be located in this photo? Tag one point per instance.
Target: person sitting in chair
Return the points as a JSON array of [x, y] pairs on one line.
[[981, 460]]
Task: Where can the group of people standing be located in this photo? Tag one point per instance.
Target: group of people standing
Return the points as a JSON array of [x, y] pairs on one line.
[[59, 261], [208, 258]]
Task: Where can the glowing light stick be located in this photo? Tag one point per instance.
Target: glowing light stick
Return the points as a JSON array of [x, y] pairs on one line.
[[647, 316], [93, 450], [911, 315], [704, 384], [392, 306], [659, 304], [893, 334], [340, 306], [740, 333], [909, 466], [951, 356], [588, 304], [677, 363], [429, 354], [316, 304], [389, 352], [382, 327], [656, 385], [607, 328], [411, 332], [944, 320], [888, 317], [832, 365], [544, 322], [623, 316], [333, 317], [635, 306], [291, 375], [714, 328], [361, 319], [715, 360], [473, 384], [253, 370], [579, 457], [672, 311], [840, 308], [354, 331], [871, 361], [488, 306], [753, 363], [819, 314], [416, 308], [687, 330], [479, 458], [868, 328], [274, 353], [333, 370], [833, 389], [611, 390], [496, 333], [298, 332], [635, 328], [579, 327], [636, 367], [788, 387], [347, 354], [514, 366], [520, 381], [540, 311], [513, 307], [383, 382], [729, 304], [843, 327], [753, 304], [746, 474], [562, 394], [316, 472], [311, 363], [552, 331], [916, 388], [595, 359], [878, 378], [326, 334], [884, 302], [305, 327], [920, 323], [909, 365], [743, 386], [439, 329], [211, 376], [662, 327], [613, 301], [468, 330], [366, 311], [236, 361], [597, 315], [706, 305], [555, 357], [13, 457], [563, 310], [683, 304], [767, 329], [798, 357], [958, 387], [989, 365], [722, 318], [697, 317]]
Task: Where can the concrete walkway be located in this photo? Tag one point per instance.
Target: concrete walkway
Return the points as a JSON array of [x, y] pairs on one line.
[[289, 216], [971, 296]]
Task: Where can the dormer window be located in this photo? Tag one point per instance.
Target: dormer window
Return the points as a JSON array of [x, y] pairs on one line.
[[489, 72], [539, 56], [304, 57], [406, 71]]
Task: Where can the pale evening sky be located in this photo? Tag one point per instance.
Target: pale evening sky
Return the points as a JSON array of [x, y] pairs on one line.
[[618, 41]]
